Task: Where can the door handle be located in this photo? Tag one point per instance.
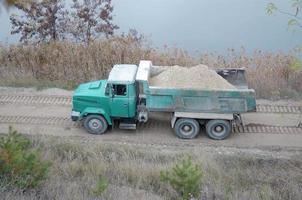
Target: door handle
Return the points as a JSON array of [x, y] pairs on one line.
[[125, 104]]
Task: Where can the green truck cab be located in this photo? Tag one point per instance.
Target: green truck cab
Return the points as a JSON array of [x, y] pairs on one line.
[[126, 98]]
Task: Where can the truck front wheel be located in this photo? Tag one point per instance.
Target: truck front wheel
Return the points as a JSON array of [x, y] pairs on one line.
[[186, 128], [218, 129], [95, 124]]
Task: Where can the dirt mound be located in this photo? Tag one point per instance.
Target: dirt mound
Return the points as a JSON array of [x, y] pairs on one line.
[[197, 77]]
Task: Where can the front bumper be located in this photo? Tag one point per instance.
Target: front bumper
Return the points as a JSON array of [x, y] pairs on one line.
[[75, 116]]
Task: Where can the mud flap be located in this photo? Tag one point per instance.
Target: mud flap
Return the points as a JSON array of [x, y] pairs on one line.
[[173, 120], [237, 124]]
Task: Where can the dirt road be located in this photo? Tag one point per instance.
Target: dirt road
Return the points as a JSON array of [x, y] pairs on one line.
[[47, 113]]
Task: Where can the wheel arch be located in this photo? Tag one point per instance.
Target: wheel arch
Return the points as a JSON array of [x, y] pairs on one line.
[[173, 121], [96, 111]]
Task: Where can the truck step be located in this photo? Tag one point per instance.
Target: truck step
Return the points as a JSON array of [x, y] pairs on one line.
[[129, 126]]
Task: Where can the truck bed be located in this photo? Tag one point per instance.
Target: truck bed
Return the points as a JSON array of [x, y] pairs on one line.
[[207, 101], [219, 101]]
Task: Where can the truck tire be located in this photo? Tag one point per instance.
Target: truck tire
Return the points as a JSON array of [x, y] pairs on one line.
[[95, 124], [218, 129], [186, 128]]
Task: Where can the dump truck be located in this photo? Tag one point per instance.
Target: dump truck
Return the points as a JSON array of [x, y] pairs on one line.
[[126, 98]]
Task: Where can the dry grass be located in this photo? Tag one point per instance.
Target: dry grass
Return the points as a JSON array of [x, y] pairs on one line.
[[75, 63], [65, 64], [272, 75], [134, 172]]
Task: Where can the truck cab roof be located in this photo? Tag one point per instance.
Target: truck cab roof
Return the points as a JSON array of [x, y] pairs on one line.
[[122, 74]]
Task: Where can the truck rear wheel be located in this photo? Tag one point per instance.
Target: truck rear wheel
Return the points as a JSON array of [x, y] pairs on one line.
[[95, 124], [218, 129], [186, 128]]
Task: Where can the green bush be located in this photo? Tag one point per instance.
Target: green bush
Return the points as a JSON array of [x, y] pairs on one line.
[[20, 164], [185, 178], [101, 186]]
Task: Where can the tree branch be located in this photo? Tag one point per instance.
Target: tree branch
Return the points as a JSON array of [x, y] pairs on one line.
[[289, 14]]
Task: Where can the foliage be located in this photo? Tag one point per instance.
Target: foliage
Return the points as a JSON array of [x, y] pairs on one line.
[[296, 64], [271, 8], [10, 3], [41, 20], [90, 18], [21, 165], [241, 174], [50, 20], [295, 15], [185, 178], [101, 186]]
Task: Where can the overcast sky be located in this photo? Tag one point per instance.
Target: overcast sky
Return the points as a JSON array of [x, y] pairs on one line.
[[199, 25]]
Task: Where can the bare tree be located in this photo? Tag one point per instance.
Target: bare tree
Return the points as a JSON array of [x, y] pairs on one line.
[[91, 18], [40, 20]]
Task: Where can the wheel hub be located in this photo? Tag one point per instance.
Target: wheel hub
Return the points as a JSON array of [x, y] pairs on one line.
[[218, 128], [187, 128], [95, 124]]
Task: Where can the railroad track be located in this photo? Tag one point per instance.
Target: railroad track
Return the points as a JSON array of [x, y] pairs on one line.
[[66, 122], [36, 99], [66, 101], [51, 121], [268, 129], [264, 108]]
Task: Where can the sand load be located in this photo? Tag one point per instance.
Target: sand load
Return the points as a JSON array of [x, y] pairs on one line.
[[197, 77]]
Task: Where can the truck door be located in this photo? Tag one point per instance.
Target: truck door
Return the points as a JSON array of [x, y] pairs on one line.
[[119, 101]]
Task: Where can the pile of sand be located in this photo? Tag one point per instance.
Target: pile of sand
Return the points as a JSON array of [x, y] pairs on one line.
[[197, 77]]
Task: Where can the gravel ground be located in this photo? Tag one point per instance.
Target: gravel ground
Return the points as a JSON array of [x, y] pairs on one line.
[[156, 131]]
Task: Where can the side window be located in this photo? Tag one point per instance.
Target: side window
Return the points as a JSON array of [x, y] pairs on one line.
[[120, 90]]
